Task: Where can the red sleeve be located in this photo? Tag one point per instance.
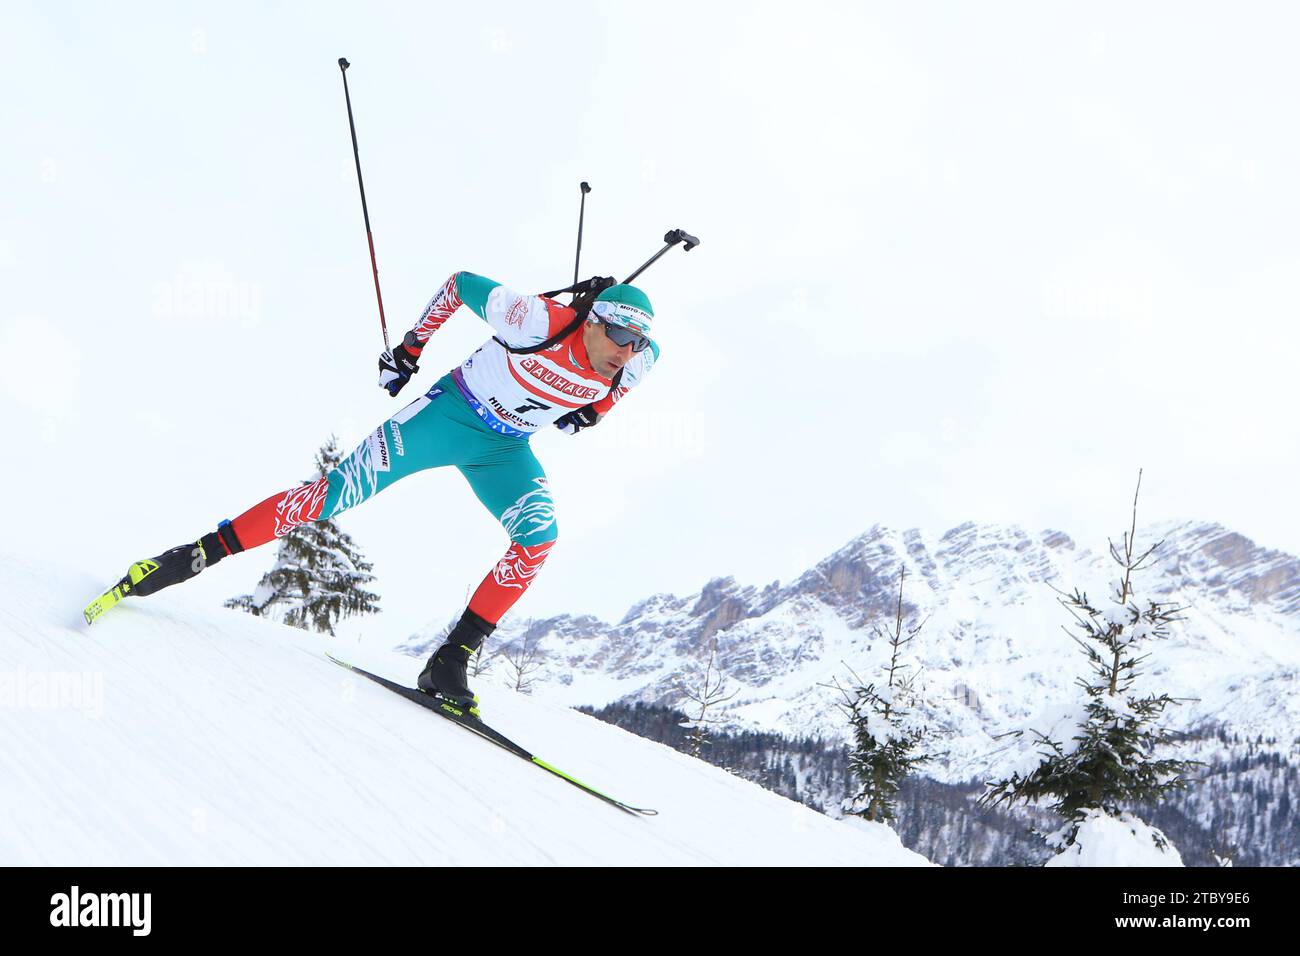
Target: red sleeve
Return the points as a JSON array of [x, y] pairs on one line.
[[440, 308]]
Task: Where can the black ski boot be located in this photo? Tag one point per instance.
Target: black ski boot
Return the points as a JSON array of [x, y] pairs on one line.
[[445, 675], [183, 562]]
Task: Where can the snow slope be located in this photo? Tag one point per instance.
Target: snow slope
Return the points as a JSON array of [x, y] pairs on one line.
[[175, 734], [1125, 840]]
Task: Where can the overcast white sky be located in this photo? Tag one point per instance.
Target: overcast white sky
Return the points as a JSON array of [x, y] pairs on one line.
[[958, 262]]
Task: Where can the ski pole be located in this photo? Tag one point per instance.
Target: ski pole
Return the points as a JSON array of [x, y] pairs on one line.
[[374, 267], [582, 208], [671, 239]]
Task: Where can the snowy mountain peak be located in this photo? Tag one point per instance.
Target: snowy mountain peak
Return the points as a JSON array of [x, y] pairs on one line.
[[995, 648]]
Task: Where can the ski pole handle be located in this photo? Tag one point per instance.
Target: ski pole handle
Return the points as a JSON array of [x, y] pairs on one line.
[[582, 209], [671, 238]]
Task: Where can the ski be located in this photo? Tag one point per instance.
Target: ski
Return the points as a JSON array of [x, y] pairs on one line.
[[460, 716], [137, 573]]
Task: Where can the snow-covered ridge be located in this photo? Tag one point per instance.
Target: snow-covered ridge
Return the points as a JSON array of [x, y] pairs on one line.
[[173, 734], [993, 651]]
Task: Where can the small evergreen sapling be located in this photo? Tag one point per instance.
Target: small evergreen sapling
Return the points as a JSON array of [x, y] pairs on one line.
[[319, 576]]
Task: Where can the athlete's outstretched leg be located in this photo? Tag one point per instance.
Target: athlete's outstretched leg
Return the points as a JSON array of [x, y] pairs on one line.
[[270, 519], [419, 436], [266, 521]]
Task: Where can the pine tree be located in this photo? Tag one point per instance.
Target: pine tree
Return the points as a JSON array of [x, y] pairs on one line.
[[319, 575], [887, 737], [1110, 759]]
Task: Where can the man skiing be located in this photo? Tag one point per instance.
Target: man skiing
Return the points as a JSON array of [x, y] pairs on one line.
[[547, 363]]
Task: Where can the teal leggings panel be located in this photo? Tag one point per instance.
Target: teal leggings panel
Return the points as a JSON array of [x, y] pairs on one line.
[[439, 429]]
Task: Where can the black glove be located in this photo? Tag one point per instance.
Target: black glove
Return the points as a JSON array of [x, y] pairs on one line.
[[578, 419], [397, 367]]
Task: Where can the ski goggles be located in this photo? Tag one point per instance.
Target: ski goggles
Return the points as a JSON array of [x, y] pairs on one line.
[[623, 324], [621, 336]]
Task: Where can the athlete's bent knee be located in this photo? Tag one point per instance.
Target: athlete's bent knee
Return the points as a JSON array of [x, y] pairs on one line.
[[531, 519]]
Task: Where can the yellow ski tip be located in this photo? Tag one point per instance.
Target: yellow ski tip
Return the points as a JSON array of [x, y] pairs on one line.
[[137, 573], [102, 603], [93, 610]]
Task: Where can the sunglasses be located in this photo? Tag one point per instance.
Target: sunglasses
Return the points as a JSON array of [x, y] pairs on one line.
[[624, 336]]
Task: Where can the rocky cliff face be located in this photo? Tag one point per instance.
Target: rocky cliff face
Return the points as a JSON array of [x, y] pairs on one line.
[[1231, 568]]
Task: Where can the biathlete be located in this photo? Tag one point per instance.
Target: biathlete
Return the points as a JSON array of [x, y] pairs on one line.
[[546, 364]]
